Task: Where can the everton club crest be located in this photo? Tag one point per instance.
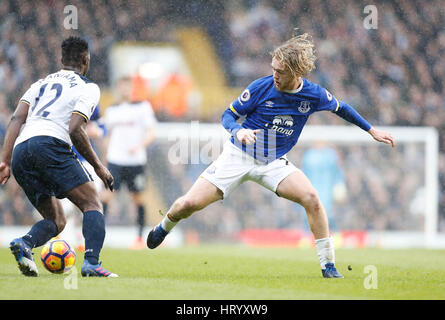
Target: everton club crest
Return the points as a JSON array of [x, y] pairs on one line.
[[305, 107]]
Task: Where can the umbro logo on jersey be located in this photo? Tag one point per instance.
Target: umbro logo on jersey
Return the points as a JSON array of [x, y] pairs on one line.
[[269, 104], [305, 107]]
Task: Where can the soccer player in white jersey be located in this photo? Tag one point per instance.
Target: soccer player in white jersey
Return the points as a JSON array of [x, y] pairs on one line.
[[131, 127], [50, 117], [276, 109]]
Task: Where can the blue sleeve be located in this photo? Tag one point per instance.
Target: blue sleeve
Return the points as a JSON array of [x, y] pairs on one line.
[[327, 100], [228, 120], [96, 118], [349, 114], [243, 105], [102, 126], [246, 102], [96, 114]]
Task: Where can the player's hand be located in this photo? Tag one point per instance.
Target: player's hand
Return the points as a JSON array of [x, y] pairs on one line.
[[382, 136], [5, 173], [247, 136], [104, 174]]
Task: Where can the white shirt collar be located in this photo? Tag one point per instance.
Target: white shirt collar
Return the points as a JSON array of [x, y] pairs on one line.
[[296, 90]]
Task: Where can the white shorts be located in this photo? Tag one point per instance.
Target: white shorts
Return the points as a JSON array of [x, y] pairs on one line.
[[235, 166]]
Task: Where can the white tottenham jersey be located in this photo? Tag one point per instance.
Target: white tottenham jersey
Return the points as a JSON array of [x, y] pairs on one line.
[[53, 100], [128, 124]]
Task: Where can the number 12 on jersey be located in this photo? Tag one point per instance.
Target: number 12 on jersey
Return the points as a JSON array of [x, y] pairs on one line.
[[58, 88]]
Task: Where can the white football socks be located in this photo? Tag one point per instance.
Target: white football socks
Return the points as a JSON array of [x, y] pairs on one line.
[[325, 251], [167, 224]]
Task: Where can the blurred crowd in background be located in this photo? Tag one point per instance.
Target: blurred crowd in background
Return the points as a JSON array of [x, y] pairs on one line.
[[392, 75]]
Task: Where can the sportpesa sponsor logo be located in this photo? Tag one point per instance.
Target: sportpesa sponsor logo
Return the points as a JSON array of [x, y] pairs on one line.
[[281, 124], [283, 120]]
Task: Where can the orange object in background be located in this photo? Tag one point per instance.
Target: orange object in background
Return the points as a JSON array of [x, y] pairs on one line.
[[140, 88], [171, 97], [192, 238]]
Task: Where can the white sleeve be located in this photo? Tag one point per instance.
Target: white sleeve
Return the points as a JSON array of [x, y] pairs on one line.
[[149, 119], [88, 100], [32, 93]]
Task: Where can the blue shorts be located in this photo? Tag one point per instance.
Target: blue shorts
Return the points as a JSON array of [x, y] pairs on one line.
[[45, 166], [132, 176]]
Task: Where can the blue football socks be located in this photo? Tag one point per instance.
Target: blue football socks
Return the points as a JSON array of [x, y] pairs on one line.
[[93, 229], [40, 233]]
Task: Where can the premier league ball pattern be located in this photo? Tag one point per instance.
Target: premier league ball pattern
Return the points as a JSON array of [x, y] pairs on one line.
[[57, 256]]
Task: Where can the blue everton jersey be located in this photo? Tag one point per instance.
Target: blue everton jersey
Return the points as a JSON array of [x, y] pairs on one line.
[[279, 115]]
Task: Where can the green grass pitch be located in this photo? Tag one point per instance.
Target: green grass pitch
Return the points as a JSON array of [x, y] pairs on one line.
[[235, 272]]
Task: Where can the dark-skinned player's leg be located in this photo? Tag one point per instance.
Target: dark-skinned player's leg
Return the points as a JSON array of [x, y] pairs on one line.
[[52, 224], [25, 164], [86, 198]]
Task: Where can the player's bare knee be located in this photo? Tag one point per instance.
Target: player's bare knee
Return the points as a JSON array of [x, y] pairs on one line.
[[187, 206], [91, 205], [96, 206], [311, 201], [194, 204]]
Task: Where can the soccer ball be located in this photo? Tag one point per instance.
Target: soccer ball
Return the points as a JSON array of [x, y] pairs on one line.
[[58, 256]]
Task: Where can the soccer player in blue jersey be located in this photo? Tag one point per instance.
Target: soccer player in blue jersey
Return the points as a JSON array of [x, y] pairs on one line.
[[276, 109]]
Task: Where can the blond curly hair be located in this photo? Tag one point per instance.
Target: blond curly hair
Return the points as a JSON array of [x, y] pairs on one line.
[[297, 54]]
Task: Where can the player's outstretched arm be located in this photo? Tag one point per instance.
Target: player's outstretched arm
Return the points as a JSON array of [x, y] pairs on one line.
[[382, 136], [16, 122], [351, 115], [81, 141]]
